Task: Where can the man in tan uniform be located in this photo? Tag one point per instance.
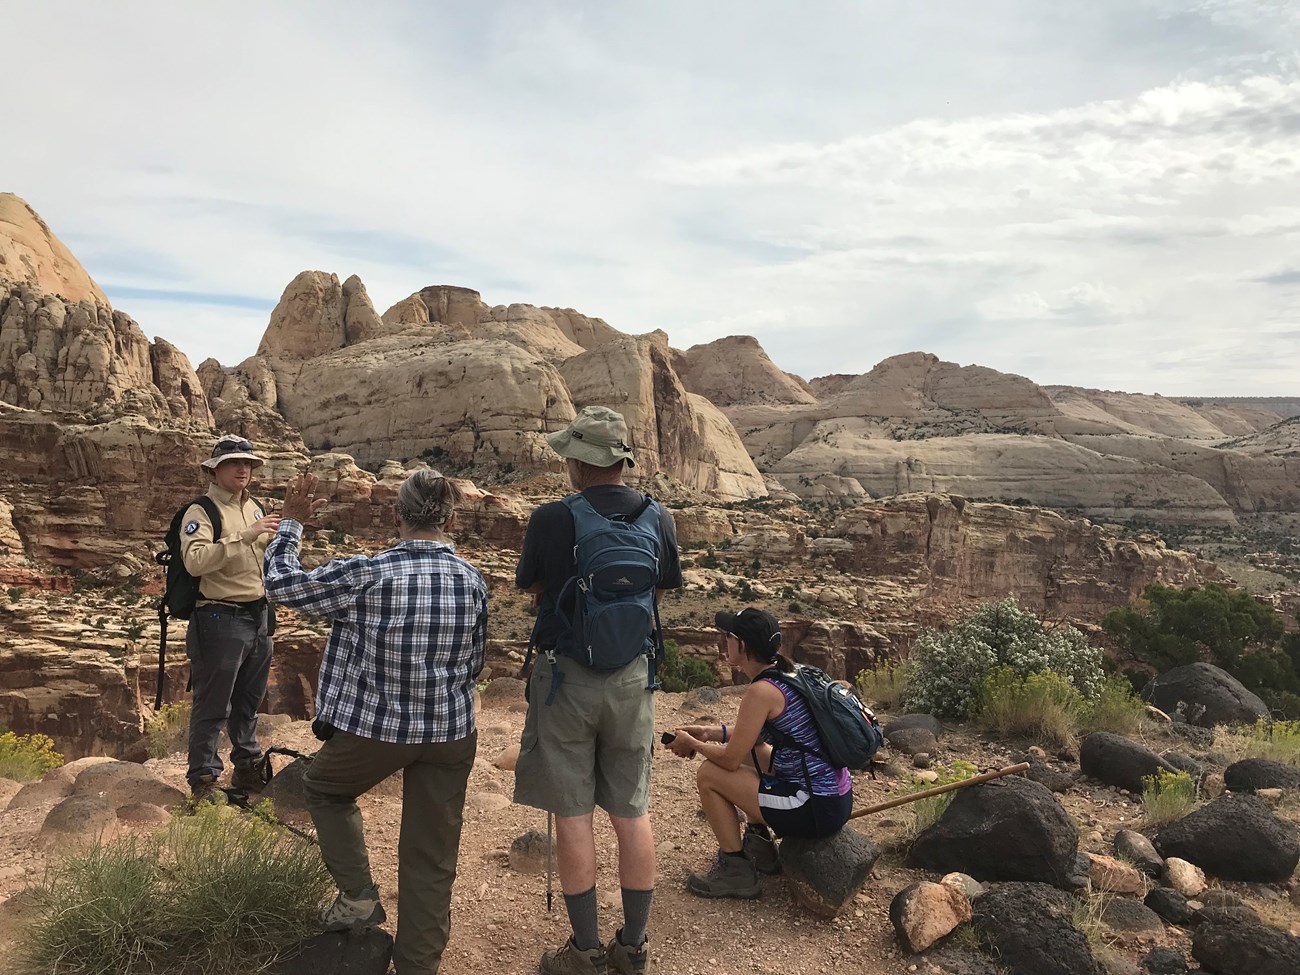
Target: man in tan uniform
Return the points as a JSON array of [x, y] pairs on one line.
[[229, 639]]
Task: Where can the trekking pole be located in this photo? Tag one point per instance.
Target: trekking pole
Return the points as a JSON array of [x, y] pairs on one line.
[[549, 833], [941, 789]]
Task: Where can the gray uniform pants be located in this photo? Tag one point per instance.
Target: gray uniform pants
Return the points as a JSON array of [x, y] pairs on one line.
[[230, 660], [433, 801]]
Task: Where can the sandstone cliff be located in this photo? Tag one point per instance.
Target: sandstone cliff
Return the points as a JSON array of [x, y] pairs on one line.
[[30, 254]]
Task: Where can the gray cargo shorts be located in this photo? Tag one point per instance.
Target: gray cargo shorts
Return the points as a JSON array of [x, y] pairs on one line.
[[591, 746]]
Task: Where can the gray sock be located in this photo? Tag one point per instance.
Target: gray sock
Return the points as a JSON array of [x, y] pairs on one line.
[[636, 916], [582, 918]]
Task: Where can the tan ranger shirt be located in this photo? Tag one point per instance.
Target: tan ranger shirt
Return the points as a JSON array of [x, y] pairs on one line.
[[230, 568]]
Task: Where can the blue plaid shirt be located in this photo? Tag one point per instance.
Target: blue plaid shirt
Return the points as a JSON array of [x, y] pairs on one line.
[[408, 640]]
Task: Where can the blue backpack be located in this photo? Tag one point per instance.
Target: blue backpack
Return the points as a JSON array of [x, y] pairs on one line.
[[615, 618]]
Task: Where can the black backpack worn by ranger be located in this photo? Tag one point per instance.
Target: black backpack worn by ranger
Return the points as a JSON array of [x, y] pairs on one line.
[[181, 592]]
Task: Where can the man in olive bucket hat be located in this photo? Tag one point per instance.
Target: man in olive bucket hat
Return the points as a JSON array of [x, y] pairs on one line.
[[228, 640], [588, 742]]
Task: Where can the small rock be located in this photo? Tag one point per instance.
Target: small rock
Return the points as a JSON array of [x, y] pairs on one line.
[[8, 789], [926, 775], [907, 721], [967, 884], [1170, 905], [78, 822], [528, 852], [1164, 961], [1138, 850], [1130, 916], [487, 802], [1109, 875], [1226, 914], [503, 691], [285, 790], [507, 758], [365, 952], [924, 912], [143, 814], [909, 741], [921, 760], [1186, 878]]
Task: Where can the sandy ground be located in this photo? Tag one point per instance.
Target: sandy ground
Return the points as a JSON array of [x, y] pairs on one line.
[[500, 922]]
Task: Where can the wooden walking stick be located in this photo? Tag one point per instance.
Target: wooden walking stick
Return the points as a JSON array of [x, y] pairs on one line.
[[941, 789]]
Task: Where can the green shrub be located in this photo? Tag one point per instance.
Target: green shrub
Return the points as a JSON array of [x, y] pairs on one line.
[[1117, 709], [218, 892], [25, 758], [1276, 740], [168, 729], [1044, 706], [949, 667], [883, 686], [1167, 796], [15, 593], [680, 672], [926, 812]]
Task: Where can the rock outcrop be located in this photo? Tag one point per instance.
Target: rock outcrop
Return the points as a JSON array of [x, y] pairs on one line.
[[31, 254]]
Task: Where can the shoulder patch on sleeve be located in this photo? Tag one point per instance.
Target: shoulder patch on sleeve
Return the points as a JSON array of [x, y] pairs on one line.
[[191, 527]]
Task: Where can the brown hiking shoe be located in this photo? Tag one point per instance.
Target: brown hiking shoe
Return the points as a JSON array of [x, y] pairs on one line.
[[760, 847], [571, 960], [247, 778], [730, 876], [625, 960], [204, 789]]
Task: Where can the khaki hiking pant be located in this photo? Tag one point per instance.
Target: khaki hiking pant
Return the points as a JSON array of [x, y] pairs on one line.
[[433, 801]]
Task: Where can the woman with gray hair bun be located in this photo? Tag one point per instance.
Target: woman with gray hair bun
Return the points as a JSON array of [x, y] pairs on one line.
[[396, 692], [427, 500]]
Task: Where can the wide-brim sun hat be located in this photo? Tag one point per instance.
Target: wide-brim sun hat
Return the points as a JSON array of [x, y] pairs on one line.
[[597, 436], [231, 448], [758, 630]]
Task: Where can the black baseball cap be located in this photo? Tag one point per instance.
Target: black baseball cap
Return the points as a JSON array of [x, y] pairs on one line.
[[757, 629]]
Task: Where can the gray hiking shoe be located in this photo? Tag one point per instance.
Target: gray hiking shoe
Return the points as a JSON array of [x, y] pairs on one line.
[[730, 876], [625, 960], [760, 847], [354, 913], [571, 960]]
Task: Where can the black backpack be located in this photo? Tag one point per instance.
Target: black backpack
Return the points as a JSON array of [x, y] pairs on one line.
[[848, 730], [181, 592]]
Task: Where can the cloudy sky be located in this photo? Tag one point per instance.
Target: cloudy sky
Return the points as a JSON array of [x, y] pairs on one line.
[[1102, 194]]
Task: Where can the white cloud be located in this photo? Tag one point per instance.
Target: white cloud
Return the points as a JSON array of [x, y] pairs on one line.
[[846, 181]]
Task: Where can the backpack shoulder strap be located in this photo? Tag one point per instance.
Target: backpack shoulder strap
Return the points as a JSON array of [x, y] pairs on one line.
[[586, 519], [213, 512]]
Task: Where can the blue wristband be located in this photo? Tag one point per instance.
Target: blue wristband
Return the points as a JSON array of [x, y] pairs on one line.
[[724, 732]]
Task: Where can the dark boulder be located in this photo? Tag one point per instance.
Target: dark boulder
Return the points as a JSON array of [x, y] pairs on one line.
[[1045, 774], [823, 875], [906, 721], [1117, 761], [1138, 850], [1130, 916], [1251, 774], [366, 952], [1235, 837], [1007, 829], [1164, 961], [1246, 949], [913, 741], [1208, 696], [1226, 914], [1030, 927], [1170, 905]]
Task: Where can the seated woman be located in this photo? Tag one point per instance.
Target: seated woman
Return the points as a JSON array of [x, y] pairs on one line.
[[759, 767]]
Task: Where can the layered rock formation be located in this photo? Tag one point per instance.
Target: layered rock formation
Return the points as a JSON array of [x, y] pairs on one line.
[[916, 423], [442, 375]]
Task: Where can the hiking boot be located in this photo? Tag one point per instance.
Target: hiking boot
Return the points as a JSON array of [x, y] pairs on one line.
[[247, 778], [625, 960], [760, 847], [571, 960], [204, 789], [349, 913], [730, 876]]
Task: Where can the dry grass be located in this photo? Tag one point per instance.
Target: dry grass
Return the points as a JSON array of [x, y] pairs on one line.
[[1167, 796]]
